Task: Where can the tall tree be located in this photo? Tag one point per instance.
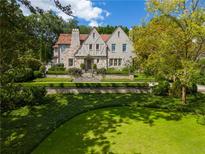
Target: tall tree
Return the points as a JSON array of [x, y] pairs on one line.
[[171, 43]]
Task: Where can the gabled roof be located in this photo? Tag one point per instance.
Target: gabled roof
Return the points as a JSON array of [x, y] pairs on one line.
[[105, 37], [66, 38], [83, 37]]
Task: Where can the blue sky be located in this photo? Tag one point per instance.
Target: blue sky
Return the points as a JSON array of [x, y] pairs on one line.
[[98, 12], [122, 12]]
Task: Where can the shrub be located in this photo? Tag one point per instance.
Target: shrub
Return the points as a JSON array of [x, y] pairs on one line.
[[42, 69], [24, 74], [192, 89], [116, 71], [82, 66], [16, 96], [94, 66], [57, 72], [37, 74], [32, 63], [75, 71], [101, 71], [175, 89], [57, 67], [161, 89]]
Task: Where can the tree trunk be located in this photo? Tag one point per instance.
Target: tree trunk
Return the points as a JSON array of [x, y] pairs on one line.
[[183, 94]]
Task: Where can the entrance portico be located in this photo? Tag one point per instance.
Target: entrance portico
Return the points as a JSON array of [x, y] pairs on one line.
[[88, 61]]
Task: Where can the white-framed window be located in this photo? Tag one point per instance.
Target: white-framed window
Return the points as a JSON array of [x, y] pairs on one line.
[[124, 47], [119, 62], [70, 62], [115, 62], [97, 46], [113, 47], [111, 62], [90, 46]]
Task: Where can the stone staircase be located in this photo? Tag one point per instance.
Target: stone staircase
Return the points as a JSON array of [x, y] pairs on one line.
[[86, 77]]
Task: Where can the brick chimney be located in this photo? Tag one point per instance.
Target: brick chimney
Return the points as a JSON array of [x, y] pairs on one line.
[[75, 39]]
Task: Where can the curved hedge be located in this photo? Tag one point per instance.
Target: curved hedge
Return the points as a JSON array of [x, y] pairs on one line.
[[39, 121], [86, 84]]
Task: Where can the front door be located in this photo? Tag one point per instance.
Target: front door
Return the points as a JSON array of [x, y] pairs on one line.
[[89, 64]]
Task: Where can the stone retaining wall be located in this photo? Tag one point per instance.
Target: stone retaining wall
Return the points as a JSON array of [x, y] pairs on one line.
[[78, 90]]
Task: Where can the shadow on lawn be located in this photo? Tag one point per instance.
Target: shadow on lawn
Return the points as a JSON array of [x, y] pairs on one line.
[[23, 129]]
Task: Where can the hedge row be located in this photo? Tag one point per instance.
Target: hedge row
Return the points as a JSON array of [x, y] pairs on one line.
[[85, 84], [57, 72]]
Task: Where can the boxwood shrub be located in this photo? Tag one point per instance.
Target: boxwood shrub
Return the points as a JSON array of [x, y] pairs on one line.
[[57, 72], [86, 84]]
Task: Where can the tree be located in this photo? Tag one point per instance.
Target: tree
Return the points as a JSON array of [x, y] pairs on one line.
[[71, 24], [171, 43]]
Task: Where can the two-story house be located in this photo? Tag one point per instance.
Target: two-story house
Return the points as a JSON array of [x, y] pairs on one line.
[[106, 51]]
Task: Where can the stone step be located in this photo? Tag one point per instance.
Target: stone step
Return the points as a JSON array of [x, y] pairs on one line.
[[86, 79]]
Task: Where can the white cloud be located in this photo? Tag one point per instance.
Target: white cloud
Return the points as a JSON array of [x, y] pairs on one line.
[[93, 23], [83, 9]]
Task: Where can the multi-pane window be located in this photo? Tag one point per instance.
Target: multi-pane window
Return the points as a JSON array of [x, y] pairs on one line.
[[70, 62], [119, 62], [111, 62], [113, 47], [115, 62], [90, 46], [97, 46], [124, 46]]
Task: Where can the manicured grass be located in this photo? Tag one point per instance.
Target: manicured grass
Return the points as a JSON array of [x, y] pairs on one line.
[[24, 128], [127, 130], [143, 77], [86, 84], [52, 80]]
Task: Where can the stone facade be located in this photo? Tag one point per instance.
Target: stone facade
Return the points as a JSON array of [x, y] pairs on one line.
[[106, 51]]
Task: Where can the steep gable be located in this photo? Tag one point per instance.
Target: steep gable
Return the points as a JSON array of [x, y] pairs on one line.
[[93, 39]]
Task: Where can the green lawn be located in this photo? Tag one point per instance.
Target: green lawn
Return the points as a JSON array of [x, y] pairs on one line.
[[143, 77], [24, 128], [127, 130]]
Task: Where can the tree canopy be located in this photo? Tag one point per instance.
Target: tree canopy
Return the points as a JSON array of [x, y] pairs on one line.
[[170, 45]]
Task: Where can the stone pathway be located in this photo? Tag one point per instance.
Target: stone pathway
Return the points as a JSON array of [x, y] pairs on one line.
[[86, 77]]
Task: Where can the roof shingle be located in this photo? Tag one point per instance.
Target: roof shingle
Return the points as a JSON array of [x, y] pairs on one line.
[[66, 38]]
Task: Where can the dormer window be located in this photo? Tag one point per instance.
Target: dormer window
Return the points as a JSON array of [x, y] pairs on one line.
[[118, 33], [93, 35]]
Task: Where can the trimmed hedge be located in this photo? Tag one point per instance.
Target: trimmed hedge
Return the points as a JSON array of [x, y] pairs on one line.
[[117, 71], [85, 84], [57, 72], [52, 80]]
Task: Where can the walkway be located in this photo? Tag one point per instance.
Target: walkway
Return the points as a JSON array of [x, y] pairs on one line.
[[86, 77]]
